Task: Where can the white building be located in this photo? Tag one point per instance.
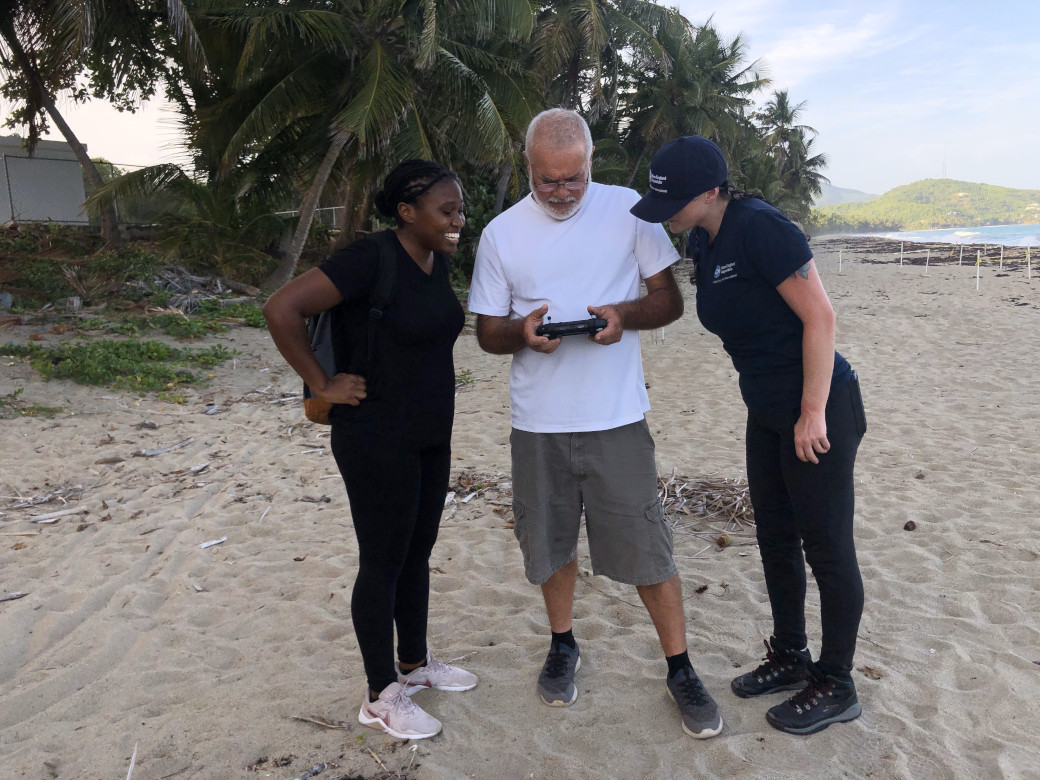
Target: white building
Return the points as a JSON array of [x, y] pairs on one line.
[[47, 187]]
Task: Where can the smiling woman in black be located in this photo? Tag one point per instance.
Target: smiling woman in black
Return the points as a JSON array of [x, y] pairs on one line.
[[391, 428], [759, 291]]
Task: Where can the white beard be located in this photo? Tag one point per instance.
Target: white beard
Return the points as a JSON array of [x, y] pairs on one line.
[[574, 205]]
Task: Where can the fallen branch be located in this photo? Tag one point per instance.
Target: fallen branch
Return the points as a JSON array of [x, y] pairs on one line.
[[52, 516]]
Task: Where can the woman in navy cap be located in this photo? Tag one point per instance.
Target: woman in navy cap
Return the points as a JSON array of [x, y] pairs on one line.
[[759, 291]]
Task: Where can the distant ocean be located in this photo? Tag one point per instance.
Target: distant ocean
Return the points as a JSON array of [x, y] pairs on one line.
[[1008, 235]]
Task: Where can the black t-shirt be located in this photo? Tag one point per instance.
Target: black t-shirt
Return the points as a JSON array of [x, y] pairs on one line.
[[410, 383], [756, 249]]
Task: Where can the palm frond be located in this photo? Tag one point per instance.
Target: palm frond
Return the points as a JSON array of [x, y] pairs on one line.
[[383, 94]]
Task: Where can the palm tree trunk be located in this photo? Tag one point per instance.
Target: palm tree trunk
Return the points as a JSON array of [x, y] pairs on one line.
[[287, 267], [357, 201], [635, 168], [503, 184], [109, 221]]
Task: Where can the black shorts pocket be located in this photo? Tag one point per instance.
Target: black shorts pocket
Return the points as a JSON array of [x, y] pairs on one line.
[[859, 414]]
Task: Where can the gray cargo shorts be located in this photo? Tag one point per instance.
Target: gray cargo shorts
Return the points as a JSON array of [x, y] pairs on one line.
[[613, 476]]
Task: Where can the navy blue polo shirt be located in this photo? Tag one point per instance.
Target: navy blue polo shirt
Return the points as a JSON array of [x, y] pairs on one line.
[[756, 249]]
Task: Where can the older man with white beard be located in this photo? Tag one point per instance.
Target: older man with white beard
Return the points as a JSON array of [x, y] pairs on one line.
[[579, 438]]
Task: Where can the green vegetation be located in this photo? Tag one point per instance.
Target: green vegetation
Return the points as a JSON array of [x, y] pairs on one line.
[[45, 265], [131, 365], [12, 406], [931, 203], [464, 378], [286, 107]]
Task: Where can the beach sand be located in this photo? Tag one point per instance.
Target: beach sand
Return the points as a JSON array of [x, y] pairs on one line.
[[133, 637]]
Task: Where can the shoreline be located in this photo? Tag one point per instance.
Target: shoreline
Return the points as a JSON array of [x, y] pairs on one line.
[[915, 252]]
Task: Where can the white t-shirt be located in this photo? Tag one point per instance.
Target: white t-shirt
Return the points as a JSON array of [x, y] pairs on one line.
[[594, 258]]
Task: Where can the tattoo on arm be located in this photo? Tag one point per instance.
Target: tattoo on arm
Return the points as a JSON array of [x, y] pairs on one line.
[[802, 272]]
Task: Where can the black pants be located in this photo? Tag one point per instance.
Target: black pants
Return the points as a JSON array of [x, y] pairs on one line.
[[804, 505], [396, 492]]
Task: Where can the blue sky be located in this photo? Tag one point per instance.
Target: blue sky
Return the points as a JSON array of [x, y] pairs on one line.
[[892, 87]]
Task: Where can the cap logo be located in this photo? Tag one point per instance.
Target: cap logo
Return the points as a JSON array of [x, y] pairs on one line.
[[658, 182]]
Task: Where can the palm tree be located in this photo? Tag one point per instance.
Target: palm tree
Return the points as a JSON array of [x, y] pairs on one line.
[[704, 92], [798, 169], [372, 82]]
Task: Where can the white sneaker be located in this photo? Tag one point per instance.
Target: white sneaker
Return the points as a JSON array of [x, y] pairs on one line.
[[436, 674], [397, 715]]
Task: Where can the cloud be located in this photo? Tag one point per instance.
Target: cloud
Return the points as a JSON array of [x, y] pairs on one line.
[[808, 51]]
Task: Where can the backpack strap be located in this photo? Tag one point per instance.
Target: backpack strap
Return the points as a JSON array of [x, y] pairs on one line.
[[382, 294]]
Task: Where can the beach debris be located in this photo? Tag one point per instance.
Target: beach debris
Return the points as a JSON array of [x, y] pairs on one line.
[[910, 525], [317, 769], [133, 760], [870, 672], [213, 542], [919, 475], [164, 450], [717, 510], [14, 596], [378, 759], [109, 461], [212, 409], [64, 494], [325, 722], [264, 514], [261, 763], [147, 424], [319, 500], [53, 517]]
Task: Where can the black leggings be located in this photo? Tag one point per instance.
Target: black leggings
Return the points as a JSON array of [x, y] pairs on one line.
[[808, 505], [396, 493]]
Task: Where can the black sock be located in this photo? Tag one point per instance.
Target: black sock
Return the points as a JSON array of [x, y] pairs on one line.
[[676, 663], [566, 638]]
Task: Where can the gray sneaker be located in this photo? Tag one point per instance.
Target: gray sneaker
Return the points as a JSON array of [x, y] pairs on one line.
[[556, 682], [700, 715]]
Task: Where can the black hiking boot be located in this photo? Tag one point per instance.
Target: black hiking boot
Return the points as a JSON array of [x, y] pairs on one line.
[[783, 670], [827, 699]]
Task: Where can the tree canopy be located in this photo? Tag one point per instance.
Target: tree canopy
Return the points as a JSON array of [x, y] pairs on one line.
[[288, 105]]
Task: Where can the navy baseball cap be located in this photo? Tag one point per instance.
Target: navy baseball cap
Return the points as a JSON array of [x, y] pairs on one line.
[[680, 171]]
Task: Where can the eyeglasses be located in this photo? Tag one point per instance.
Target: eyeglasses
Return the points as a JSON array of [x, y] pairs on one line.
[[571, 186]]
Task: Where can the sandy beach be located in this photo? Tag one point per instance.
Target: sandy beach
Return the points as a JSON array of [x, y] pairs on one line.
[[135, 642]]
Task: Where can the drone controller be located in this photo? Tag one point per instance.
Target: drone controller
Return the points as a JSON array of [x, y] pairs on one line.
[[555, 330]]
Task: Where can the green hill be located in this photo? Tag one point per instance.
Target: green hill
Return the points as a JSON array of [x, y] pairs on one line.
[[928, 204]]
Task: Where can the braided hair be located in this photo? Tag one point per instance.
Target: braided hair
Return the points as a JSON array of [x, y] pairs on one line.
[[406, 183]]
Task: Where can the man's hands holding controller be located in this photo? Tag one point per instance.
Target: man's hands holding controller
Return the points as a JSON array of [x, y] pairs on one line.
[[608, 335]]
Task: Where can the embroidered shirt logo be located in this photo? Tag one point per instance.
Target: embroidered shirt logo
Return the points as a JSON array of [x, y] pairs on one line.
[[725, 272]]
